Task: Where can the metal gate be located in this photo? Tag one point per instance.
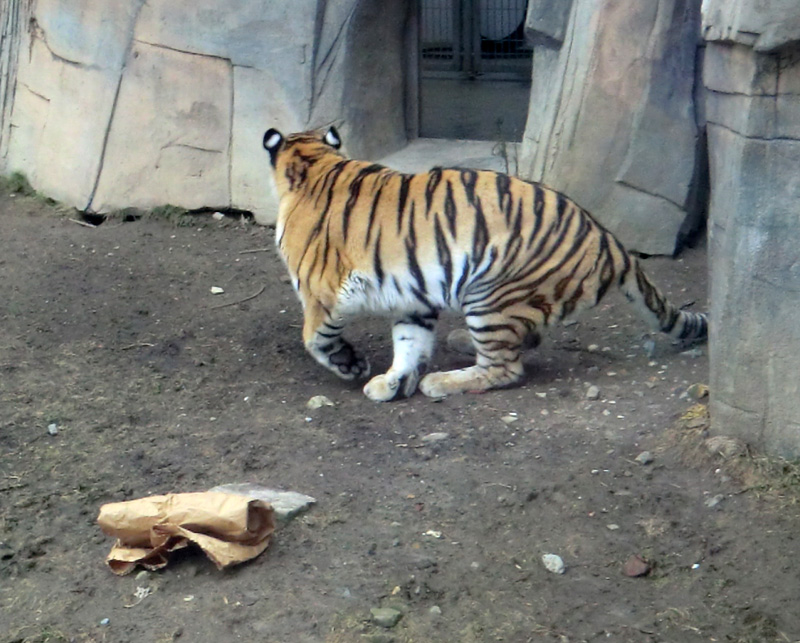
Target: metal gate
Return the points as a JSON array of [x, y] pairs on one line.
[[475, 68]]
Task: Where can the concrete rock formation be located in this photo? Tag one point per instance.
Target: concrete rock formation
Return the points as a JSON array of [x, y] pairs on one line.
[[752, 78], [612, 119], [133, 103]]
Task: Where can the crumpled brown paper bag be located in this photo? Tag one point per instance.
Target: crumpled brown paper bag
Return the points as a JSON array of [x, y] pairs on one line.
[[230, 529]]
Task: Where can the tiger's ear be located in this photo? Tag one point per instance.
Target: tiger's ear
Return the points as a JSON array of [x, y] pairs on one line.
[[272, 141], [332, 138]]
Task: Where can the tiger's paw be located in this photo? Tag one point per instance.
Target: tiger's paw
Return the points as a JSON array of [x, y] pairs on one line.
[[437, 385], [386, 387], [344, 361]]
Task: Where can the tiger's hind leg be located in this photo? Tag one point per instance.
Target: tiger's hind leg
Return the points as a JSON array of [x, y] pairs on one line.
[[499, 338], [413, 341], [322, 335]]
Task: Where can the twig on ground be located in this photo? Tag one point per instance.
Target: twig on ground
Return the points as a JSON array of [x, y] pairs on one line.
[[241, 301], [137, 345], [85, 224], [247, 252]]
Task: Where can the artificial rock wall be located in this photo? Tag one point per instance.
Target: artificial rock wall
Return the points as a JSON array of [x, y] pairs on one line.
[[613, 118], [132, 103], [752, 77]]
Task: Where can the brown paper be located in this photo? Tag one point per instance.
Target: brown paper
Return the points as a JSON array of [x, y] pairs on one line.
[[230, 529]]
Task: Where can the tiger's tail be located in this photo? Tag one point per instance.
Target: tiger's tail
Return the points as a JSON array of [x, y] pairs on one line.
[[657, 310]]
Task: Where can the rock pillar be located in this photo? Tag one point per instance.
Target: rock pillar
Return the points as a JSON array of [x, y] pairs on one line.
[[752, 77]]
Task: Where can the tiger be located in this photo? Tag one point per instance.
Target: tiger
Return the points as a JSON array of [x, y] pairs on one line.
[[512, 256]]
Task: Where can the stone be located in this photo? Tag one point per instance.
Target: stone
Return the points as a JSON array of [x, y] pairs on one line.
[[318, 401], [553, 563], [593, 392], [645, 457], [286, 504], [752, 78], [636, 566], [165, 101], [611, 120], [386, 617], [432, 438]]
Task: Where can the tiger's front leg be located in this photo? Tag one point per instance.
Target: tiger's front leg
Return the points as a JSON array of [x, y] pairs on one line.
[[413, 341], [322, 335]]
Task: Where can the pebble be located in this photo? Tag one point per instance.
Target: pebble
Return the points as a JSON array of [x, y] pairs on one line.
[[713, 502], [318, 401], [636, 566], [553, 563], [52, 428], [216, 290], [287, 504], [645, 457], [386, 617], [435, 610], [218, 216], [693, 352], [105, 621], [434, 437], [509, 419], [649, 347], [593, 393], [593, 348]]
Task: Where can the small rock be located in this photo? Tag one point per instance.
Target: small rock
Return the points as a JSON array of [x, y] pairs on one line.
[[693, 352], [434, 437], [713, 502], [318, 401], [6, 552], [553, 563], [460, 341], [105, 621], [216, 290], [645, 457], [612, 526], [386, 617], [435, 610], [725, 446], [218, 216], [636, 566], [593, 393], [649, 347], [509, 419], [593, 348], [52, 428], [697, 391], [287, 504], [143, 576]]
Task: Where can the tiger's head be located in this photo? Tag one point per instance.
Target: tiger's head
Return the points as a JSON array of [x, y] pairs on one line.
[[293, 155]]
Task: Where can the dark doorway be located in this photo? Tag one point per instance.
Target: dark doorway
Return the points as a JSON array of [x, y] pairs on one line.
[[475, 69]]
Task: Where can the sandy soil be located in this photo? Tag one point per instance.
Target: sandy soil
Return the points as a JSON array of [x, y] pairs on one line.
[[112, 335]]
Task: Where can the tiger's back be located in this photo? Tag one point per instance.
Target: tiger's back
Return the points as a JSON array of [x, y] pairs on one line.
[[514, 256]]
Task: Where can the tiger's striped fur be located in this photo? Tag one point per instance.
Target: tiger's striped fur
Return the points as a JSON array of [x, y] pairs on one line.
[[512, 255]]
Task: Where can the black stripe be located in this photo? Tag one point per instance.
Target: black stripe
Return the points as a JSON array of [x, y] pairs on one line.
[[355, 192], [434, 177], [405, 182], [450, 209], [502, 183], [377, 266], [538, 208], [445, 258], [480, 237], [469, 178], [372, 213]]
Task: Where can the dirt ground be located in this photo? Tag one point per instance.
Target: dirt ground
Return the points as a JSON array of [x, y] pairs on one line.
[[112, 334]]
